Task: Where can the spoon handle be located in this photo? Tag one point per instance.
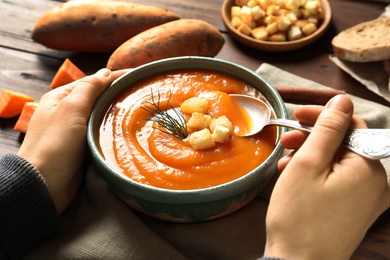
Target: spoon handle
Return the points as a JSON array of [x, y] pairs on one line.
[[370, 143]]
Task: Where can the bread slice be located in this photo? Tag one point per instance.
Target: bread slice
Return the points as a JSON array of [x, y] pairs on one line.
[[365, 42]]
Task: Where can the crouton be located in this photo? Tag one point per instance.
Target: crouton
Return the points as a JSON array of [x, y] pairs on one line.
[[201, 140], [220, 134], [199, 121], [221, 121], [195, 104]]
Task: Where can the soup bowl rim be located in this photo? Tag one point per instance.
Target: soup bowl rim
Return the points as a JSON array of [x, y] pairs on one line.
[[219, 192]]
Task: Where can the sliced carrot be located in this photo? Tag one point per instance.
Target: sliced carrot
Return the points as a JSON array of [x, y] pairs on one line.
[[67, 73], [11, 103], [24, 118]]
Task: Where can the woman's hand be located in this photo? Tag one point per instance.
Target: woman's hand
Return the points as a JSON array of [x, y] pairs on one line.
[[327, 196], [55, 142]]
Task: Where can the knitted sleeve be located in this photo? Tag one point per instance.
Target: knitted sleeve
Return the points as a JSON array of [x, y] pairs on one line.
[[27, 212]]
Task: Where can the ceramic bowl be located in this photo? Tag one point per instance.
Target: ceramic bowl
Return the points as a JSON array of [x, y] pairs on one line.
[[186, 205], [275, 46]]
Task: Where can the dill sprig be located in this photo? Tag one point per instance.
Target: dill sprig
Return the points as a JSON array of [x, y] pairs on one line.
[[169, 119]]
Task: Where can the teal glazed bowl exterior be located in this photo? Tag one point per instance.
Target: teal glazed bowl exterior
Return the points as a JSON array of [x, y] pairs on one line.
[[186, 205]]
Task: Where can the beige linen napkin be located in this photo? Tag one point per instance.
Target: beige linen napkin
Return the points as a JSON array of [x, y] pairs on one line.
[[375, 115], [370, 74], [100, 226]]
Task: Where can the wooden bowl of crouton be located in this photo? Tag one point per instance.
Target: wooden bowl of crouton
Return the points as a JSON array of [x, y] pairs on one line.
[[168, 176], [267, 26]]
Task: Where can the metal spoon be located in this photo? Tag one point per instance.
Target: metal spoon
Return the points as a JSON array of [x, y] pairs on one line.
[[370, 143]]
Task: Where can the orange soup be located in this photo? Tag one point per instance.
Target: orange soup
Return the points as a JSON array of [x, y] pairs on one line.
[[132, 143]]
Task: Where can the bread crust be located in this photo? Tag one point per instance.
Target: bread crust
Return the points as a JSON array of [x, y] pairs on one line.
[[366, 42]]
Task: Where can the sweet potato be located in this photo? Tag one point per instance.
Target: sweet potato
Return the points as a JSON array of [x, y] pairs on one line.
[[96, 26], [185, 37], [25, 117], [67, 73], [11, 103]]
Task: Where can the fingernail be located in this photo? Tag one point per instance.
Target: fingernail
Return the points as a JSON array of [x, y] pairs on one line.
[[341, 103], [285, 158], [103, 72]]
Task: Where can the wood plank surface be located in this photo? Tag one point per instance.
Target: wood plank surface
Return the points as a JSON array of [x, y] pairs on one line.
[[28, 67]]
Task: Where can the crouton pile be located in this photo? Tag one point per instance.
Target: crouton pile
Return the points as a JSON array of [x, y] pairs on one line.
[[207, 130], [277, 20]]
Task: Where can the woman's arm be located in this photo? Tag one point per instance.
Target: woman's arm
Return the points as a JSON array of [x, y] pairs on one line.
[[39, 183], [326, 197], [27, 211], [61, 118]]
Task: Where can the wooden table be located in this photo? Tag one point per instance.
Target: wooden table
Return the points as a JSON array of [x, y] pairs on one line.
[[28, 67]]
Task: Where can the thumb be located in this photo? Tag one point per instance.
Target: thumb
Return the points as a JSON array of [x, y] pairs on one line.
[[89, 88], [328, 132]]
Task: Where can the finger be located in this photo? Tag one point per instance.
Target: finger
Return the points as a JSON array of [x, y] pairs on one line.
[[328, 133], [293, 139], [87, 90], [57, 94], [282, 163], [92, 86], [307, 115], [118, 73]]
